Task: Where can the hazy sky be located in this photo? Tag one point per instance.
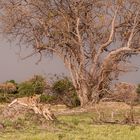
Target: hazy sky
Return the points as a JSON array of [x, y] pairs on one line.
[[11, 67]]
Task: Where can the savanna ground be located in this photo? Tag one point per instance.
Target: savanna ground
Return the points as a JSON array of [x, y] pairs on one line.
[[72, 126]]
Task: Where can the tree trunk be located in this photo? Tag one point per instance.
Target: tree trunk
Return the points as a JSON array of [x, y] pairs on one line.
[[87, 95], [83, 98], [83, 93]]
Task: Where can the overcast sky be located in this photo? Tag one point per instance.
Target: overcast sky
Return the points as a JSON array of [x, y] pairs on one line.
[[11, 67]]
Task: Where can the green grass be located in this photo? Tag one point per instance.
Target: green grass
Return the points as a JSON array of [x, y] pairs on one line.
[[74, 127]]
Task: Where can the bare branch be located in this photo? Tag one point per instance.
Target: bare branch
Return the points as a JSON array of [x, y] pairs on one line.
[[80, 44], [104, 46], [133, 30], [40, 58], [30, 55]]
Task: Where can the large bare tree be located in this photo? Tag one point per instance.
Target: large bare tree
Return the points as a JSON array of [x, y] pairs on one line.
[[94, 38]]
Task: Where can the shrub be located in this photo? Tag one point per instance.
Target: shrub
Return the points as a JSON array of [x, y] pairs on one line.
[[3, 98], [35, 85], [14, 86], [38, 83], [12, 81], [65, 90], [75, 99], [138, 92], [138, 89], [7, 98], [8, 87], [47, 98], [62, 85], [26, 89]]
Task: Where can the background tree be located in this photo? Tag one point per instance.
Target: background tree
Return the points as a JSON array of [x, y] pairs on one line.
[[94, 38]]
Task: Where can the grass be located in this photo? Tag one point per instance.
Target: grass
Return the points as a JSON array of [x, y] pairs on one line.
[[104, 132], [69, 127]]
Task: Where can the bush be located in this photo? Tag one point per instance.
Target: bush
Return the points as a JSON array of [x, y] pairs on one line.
[[47, 98], [35, 85], [3, 99], [26, 89], [7, 98], [8, 87], [75, 99], [66, 92], [12, 81], [138, 89], [138, 92], [38, 83], [62, 85], [12, 86]]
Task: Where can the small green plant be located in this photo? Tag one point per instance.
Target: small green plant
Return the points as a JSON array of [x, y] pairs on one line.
[[8, 123], [19, 124], [75, 121]]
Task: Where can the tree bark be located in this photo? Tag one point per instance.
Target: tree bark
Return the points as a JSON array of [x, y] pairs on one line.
[[83, 94]]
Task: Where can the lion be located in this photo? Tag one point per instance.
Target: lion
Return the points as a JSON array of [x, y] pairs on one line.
[[45, 110], [32, 102]]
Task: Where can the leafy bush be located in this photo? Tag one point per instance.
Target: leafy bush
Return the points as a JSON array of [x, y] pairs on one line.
[[26, 89], [65, 90], [7, 98], [138, 89], [138, 92], [38, 83], [35, 85], [3, 99], [12, 81], [75, 99], [62, 85], [47, 98], [8, 87]]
